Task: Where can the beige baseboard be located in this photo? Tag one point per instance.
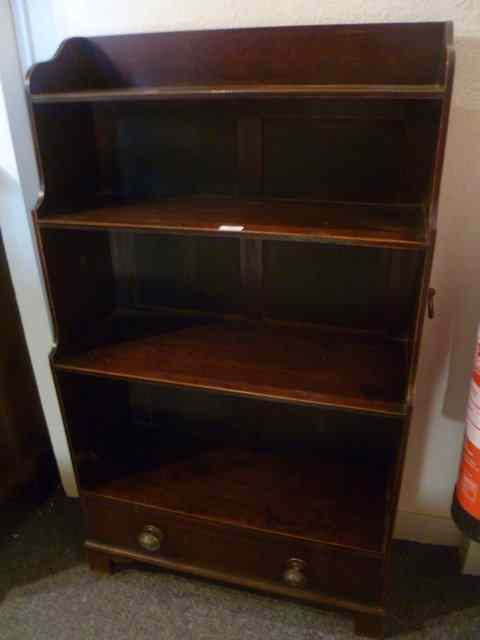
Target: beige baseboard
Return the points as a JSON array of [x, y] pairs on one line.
[[428, 529]]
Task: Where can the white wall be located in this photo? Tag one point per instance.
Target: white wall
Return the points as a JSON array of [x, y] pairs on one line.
[[7, 156], [449, 340], [18, 186]]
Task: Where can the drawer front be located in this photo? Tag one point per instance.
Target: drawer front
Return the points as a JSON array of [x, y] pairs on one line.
[[277, 560]]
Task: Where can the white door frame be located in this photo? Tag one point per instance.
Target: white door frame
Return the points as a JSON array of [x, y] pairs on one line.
[[18, 194]]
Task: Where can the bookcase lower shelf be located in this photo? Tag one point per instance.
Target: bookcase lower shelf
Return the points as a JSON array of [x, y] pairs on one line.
[[332, 498], [281, 565], [310, 526]]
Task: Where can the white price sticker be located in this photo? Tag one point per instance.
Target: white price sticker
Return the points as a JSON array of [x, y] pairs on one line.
[[231, 227]]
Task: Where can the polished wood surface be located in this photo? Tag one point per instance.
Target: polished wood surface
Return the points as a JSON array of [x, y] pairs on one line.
[[359, 224], [99, 562], [369, 626], [303, 365], [226, 574], [374, 54], [189, 440], [340, 154], [228, 91], [247, 391], [240, 552], [248, 488]]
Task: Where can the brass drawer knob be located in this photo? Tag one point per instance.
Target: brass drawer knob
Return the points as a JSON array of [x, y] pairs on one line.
[[150, 538], [294, 574]]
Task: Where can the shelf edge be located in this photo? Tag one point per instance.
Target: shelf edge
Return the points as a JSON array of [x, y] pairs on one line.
[[399, 410], [232, 91], [51, 223], [249, 583]]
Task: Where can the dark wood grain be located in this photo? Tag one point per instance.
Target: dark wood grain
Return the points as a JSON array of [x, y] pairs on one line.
[[259, 382], [362, 224], [251, 582], [433, 200], [246, 91], [303, 365], [359, 296], [67, 151], [81, 283], [237, 550], [247, 488], [369, 626], [99, 562], [250, 154], [374, 54], [251, 266], [318, 151]]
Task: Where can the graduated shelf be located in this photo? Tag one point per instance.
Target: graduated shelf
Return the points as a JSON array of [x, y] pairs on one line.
[[296, 364], [222, 90], [401, 226], [317, 495]]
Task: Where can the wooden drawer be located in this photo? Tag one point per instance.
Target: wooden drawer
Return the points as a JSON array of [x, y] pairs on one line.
[[242, 556]]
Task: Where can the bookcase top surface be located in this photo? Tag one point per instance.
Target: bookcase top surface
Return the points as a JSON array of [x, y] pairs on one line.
[[308, 60]]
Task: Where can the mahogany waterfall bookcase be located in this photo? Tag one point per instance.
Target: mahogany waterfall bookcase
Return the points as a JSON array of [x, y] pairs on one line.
[[237, 230]]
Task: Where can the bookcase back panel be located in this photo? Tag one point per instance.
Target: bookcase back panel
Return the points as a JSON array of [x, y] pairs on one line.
[[341, 286], [345, 159], [184, 272], [218, 420], [374, 151], [172, 153]]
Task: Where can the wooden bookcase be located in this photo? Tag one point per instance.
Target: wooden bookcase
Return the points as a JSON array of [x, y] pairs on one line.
[[237, 231]]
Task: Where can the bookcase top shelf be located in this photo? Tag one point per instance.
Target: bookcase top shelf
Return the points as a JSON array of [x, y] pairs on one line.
[[224, 91], [394, 60]]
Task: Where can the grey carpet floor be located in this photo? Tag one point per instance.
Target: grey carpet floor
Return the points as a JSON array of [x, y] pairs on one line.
[[48, 593]]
